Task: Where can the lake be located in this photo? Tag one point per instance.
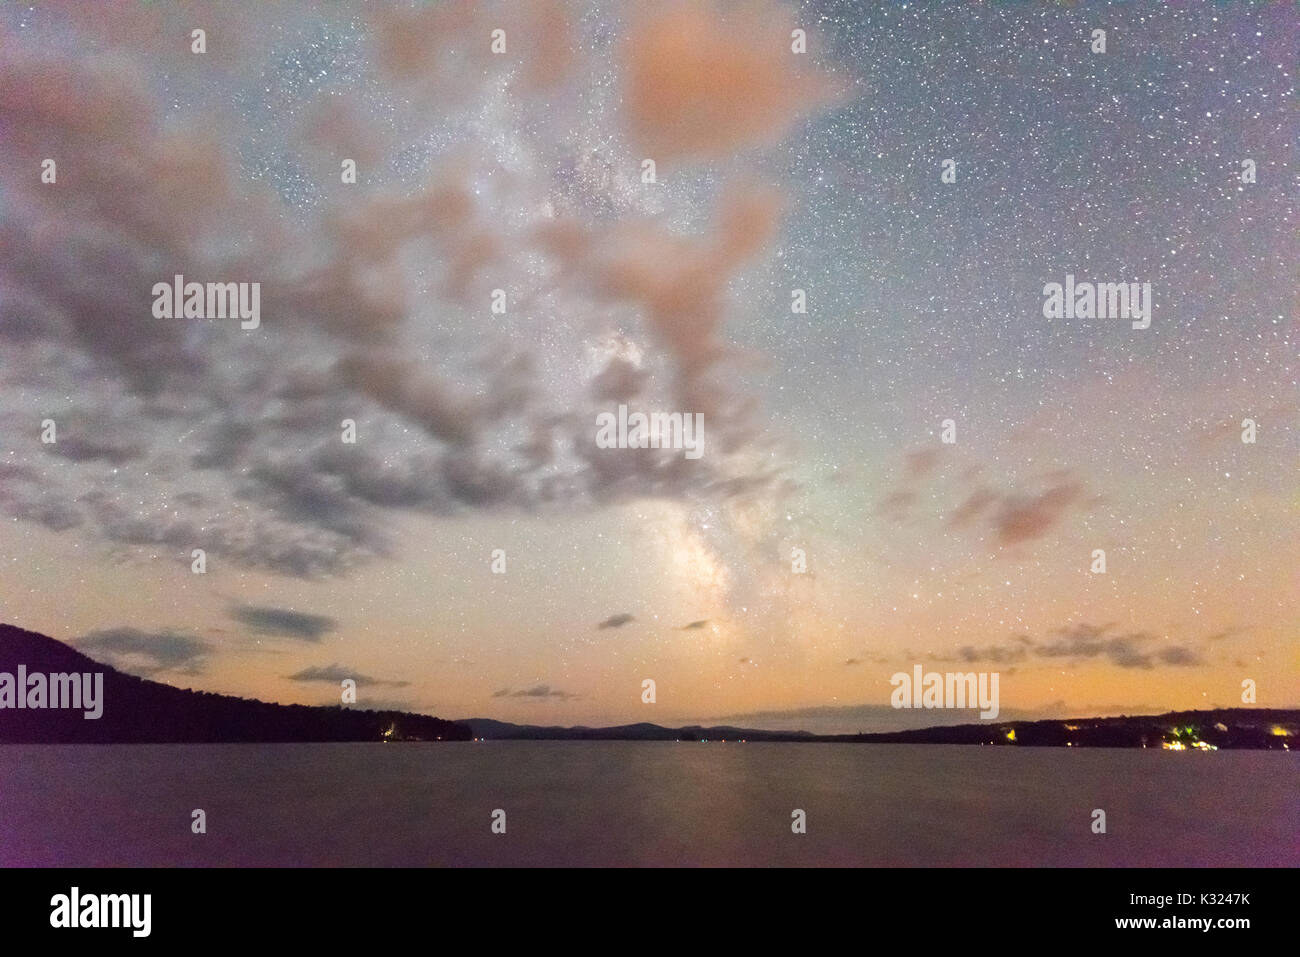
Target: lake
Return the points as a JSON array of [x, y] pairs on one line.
[[643, 803]]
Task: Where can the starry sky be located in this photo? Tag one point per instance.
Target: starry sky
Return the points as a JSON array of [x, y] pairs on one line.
[[523, 171]]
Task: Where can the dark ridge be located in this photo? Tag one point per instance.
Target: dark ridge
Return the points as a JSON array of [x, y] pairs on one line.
[[140, 711], [1214, 729], [505, 731], [1227, 728]]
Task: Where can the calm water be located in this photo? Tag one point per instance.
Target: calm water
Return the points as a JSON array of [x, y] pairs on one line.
[[622, 803]]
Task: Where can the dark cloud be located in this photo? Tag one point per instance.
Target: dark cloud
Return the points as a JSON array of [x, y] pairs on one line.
[[1180, 656], [995, 654], [144, 652], [616, 621], [536, 692], [1083, 641], [694, 625], [1126, 650], [24, 494], [283, 622], [335, 674], [867, 657], [86, 446], [619, 381]]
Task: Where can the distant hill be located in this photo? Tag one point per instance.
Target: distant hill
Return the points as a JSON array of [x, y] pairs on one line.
[[1225, 728], [137, 710], [1231, 728], [504, 731]]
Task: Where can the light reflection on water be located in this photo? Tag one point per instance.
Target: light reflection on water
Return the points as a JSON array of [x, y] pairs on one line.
[[625, 803]]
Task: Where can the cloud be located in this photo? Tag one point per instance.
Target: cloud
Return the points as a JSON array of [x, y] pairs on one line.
[[1180, 656], [694, 625], [144, 652], [353, 280], [1021, 518], [616, 621], [895, 505], [866, 657], [86, 436], [335, 674], [436, 48], [920, 463], [620, 381], [536, 692], [996, 654], [701, 84], [403, 386], [283, 622], [22, 495], [1082, 641], [1127, 650], [1014, 516], [680, 285], [975, 505]]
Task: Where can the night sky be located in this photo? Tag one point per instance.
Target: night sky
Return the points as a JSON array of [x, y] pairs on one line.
[[775, 171]]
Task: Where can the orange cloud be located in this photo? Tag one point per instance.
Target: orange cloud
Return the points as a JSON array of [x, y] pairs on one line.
[[701, 84]]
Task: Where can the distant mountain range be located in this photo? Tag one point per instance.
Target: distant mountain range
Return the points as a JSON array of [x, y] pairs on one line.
[[1231, 728], [137, 710], [491, 730]]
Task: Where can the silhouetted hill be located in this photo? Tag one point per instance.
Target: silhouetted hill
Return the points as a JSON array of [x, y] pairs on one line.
[[642, 731], [1226, 728], [136, 710], [1230, 728]]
